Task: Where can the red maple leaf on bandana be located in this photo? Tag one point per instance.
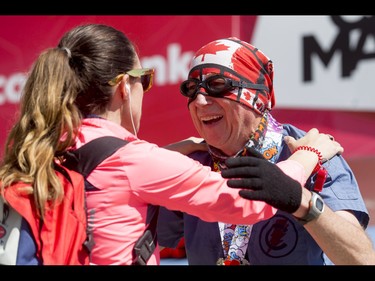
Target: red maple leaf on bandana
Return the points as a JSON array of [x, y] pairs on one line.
[[211, 49], [247, 95]]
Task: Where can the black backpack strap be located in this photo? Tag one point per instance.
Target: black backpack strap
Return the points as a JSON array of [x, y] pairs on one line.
[[84, 160], [145, 245], [87, 157]]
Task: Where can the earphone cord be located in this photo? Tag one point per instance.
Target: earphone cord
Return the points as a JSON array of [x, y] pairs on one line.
[[131, 115]]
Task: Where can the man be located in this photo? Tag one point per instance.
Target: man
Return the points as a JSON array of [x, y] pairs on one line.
[[231, 95]]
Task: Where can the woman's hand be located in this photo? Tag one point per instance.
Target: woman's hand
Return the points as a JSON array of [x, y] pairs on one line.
[[188, 145], [324, 143]]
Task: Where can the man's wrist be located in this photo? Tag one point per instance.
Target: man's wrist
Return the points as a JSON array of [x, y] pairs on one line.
[[316, 208]]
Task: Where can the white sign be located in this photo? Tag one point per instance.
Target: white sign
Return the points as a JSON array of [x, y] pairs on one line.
[[320, 62]]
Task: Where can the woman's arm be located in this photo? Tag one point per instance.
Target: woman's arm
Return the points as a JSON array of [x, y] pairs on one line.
[[188, 145]]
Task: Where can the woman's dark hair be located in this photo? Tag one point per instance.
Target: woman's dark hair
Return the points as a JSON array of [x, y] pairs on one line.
[[98, 54]]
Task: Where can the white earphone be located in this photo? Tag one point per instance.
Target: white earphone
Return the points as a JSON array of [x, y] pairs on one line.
[[130, 108], [127, 87]]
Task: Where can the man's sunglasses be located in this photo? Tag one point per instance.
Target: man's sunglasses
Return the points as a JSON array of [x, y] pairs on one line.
[[215, 86], [146, 75]]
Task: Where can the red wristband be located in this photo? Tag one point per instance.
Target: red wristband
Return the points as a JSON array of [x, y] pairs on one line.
[[322, 173], [317, 152]]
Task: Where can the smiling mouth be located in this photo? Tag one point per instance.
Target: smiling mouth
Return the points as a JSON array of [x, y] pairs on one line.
[[211, 119]]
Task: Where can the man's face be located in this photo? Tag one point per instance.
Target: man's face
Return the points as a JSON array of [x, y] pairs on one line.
[[224, 124]]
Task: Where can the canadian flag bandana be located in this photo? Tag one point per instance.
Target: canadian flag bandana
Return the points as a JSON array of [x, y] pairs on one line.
[[237, 60]]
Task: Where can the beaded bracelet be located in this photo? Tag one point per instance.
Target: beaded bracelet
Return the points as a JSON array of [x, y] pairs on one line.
[[319, 169]]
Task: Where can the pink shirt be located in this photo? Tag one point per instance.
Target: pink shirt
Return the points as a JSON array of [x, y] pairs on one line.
[[141, 173]]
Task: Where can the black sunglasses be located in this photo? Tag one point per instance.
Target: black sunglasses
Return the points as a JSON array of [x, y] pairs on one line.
[[215, 86]]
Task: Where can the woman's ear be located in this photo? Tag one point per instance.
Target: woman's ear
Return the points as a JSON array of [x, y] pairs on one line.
[[125, 87]]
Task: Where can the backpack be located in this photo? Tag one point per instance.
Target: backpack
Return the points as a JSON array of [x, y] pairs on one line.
[[63, 237]]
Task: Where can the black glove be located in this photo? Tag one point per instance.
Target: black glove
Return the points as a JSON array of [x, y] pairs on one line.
[[263, 181]]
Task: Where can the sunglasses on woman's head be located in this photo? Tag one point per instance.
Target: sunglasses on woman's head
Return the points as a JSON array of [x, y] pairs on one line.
[[146, 75], [215, 86]]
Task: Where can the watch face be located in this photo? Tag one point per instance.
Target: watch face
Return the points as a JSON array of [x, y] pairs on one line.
[[319, 204], [315, 210]]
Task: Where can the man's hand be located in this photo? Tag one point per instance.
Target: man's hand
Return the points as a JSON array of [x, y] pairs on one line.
[[262, 180]]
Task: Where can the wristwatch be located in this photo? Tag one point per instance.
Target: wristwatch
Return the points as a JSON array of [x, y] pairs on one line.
[[316, 208]]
